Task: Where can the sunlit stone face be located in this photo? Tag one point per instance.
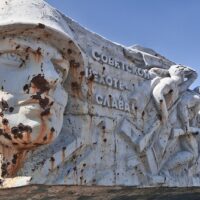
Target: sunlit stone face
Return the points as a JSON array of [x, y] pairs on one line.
[[32, 99]]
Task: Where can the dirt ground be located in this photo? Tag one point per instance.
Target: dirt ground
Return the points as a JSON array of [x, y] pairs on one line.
[[42, 192]]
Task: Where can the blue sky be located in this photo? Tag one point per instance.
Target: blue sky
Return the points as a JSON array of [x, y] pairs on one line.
[[171, 27]]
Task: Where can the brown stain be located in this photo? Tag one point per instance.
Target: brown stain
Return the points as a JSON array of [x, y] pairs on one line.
[[52, 160], [42, 132], [40, 83], [38, 55], [50, 137], [27, 137], [63, 154], [17, 163], [90, 90], [76, 79]]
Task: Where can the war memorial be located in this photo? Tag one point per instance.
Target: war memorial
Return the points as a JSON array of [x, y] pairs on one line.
[[77, 109]]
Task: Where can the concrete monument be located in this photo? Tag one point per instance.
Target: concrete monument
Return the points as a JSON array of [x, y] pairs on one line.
[[78, 109]]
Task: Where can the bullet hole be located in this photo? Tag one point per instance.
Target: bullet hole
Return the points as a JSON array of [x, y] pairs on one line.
[[1, 114], [70, 41], [52, 129], [45, 112], [159, 117], [74, 168], [14, 160], [14, 130], [17, 47], [41, 67], [69, 51], [73, 157], [101, 158], [21, 127], [82, 170], [20, 136], [74, 64], [103, 127], [136, 107], [94, 180], [105, 140], [171, 91], [52, 159], [51, 104], [2, 88], [64, 148], [5, 122], [36, 96], [28, 129], [44, 138], [196, 133], [7, 136], [161, 101], [58, 167], [81, 178], [41, 83], [4, 171], [4, 105], [91, 78], [40, 25], [11, 109], [75, 86], [26, 88], [82, 73], [27, 49], [143, 113], [84, 164], [44, 102], [22, 63]]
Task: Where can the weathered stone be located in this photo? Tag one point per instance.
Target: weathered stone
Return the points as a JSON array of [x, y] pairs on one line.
[[78, 109]]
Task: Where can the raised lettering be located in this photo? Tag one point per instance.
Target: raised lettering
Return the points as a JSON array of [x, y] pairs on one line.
[[99, 99], [96, 55]]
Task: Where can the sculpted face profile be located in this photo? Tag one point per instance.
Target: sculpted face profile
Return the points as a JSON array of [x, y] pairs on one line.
[[35, 55]]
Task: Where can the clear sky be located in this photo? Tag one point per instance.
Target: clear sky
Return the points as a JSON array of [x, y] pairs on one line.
[[170, 27]]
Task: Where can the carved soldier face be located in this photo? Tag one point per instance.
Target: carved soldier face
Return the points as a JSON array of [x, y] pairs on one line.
[[32, 99]]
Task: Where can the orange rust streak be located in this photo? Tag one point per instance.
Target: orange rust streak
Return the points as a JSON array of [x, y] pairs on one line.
[[26, 137], [14, 168], [42, 133], [50, 137]]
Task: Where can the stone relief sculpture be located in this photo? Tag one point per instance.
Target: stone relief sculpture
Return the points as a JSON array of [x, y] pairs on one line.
[[174, 86], [33, 70], [79, 109]]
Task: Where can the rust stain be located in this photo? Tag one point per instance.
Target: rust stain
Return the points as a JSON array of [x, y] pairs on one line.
[[52, 160], [38, 55], [63, 154]]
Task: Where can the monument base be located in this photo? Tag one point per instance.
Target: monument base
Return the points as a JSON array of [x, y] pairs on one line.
[[97, 193]]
